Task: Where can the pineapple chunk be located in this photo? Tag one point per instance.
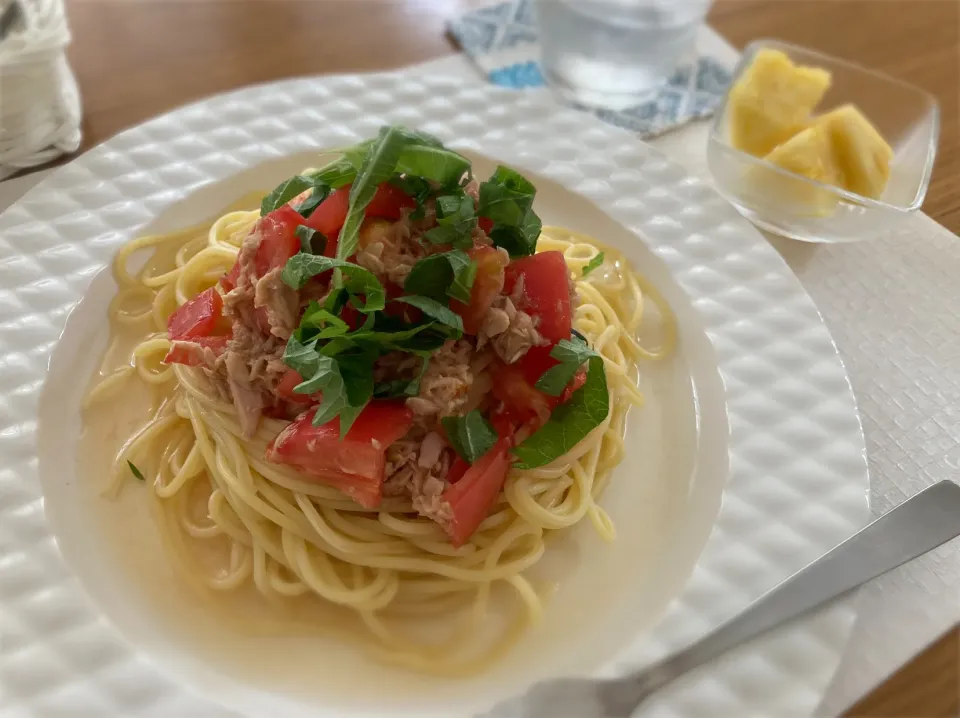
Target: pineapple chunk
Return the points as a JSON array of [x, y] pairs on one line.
[[862, 153], [772, 101], [808, 153]]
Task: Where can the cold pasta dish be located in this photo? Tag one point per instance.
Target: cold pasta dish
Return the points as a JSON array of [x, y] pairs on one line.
[[382, 390]]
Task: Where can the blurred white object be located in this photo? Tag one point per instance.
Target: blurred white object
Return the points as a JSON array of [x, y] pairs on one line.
[[39, 102]]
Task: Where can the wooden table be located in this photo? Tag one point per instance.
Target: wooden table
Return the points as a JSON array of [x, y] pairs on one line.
[[137, 58]]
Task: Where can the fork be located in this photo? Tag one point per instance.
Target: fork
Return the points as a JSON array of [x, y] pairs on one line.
[[920, 524]]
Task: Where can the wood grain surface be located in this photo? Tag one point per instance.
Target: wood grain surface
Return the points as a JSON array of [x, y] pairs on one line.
[[136, 58]]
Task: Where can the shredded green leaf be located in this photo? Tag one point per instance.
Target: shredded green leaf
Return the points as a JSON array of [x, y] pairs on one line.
[[518, 241], [507, 199], [456, 218], [418, 189], [301, 356], [438, 275], [346, 379], [311, 241], [419, 137], [593, 264], [570, 423], [360, 282], [435, 310], [463, 279], [432, 163], [337, 174], [320, 192], [135, 470], [318, 323], [284, 192], [470, 435], [572, 354], [401, 387]]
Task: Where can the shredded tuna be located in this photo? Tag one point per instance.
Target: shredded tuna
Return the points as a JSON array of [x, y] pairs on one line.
[[247, 399], [389, 250], [430, 503], [416, 466], [280, 301], [263, 355], [511, 331], [446, 382], [238, 304], [430, 450], [199, 354], [250, 369], [479, 391]]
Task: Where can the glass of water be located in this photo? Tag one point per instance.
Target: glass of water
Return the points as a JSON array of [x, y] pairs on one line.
[[615, 53]]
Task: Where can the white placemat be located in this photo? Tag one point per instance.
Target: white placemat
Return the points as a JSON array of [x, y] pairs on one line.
[[890, 304]]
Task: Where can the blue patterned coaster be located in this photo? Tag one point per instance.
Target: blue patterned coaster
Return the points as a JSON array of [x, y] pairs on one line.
[[502, 40]]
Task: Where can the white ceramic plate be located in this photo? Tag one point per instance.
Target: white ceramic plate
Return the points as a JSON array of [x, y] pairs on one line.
[[751, 437]]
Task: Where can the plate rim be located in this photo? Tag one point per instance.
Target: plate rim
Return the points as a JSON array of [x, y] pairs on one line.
[[79, 172]]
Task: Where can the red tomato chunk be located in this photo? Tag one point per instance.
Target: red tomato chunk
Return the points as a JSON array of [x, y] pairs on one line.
[[199, 317], [471, 498], [355, 465]]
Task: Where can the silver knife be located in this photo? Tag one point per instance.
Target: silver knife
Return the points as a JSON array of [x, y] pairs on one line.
[[920, 524]]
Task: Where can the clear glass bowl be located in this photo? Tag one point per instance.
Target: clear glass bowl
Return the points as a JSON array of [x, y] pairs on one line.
[[907, 117]]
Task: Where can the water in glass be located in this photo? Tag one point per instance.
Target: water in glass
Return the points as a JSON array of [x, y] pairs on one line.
[[615, 53]]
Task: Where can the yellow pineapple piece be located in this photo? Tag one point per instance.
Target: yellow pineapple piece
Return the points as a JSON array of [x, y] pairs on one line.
[[808, 153], [861, 152], [772, 101]]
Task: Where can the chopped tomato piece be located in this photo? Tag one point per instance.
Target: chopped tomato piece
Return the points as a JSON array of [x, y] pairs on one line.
[[199, 317], [329, 217], [285, 389], [276, 411], [389, 202], [230, 279], [355, 465], [522, 402], [546, 291], [485, 224], [330, 249], [579, 379], [472, 497], [457, 469], [351, 316], [546, 296], [535, 362], [504, 422], [521, 399], [192, 352], [279, 242], [486, 287]]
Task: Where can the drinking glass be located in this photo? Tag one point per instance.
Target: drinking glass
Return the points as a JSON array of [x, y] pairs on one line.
[[615, 53]]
